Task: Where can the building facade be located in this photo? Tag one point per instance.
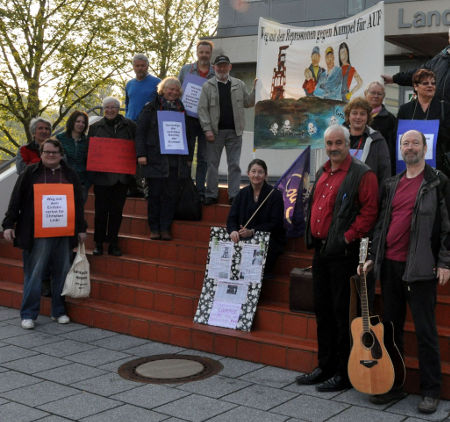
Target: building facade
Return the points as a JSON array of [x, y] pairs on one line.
[[414, 32]]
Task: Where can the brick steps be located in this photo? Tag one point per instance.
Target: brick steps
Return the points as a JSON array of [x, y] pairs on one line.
[[289, 352], [152, 292]]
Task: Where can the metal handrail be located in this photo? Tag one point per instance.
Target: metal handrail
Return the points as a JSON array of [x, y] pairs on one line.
[[57, 131]]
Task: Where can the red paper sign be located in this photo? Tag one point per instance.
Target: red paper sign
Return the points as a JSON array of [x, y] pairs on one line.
[[111, 155], [54, 210]]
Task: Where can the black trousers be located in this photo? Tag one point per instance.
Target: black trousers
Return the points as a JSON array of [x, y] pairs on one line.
[[109, 202], [331, 278], [421, 297], [162, 200]]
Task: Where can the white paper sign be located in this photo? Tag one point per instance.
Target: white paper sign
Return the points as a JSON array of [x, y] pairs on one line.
[[191, 97], [220, 260], [173, 135], [251, 263], [54, 211], [231, 292], [224, 314]]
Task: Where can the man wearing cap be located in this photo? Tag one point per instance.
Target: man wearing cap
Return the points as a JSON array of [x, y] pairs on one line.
[[221, 114], [330, 82], [202, 67], [314, 67]]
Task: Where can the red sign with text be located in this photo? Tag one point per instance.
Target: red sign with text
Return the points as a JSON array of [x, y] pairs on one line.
[[111, 155]]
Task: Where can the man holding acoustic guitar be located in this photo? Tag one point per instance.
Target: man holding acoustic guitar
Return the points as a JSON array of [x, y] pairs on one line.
[[410, 255], [343, 208]]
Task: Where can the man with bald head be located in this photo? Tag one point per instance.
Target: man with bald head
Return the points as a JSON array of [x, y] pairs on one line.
[[411, 251], [343, 208]]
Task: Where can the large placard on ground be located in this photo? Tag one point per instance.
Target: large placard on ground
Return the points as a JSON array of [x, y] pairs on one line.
[[232, 282]]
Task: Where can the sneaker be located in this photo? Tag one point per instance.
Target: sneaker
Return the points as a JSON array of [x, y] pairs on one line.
[[27, 324], [63, 319], [428, 404]]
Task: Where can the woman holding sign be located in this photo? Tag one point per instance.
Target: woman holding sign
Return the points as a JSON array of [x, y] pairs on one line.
[[425, 106], [265, 204], [164, 150], [112, 161], [44, 218]]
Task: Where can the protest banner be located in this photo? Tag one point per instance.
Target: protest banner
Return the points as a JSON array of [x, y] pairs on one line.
[[111, 155], [308, 74]]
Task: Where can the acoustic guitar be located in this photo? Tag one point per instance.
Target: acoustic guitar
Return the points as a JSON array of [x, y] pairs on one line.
[[370, 367]]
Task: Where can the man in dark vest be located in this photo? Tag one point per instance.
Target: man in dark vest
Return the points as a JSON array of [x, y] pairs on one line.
[[343, 208]]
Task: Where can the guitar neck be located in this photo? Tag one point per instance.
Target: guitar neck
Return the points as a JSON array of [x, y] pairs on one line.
[[364, 303]]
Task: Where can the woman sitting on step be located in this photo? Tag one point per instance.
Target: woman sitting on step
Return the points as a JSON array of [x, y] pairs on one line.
[[268, 213]]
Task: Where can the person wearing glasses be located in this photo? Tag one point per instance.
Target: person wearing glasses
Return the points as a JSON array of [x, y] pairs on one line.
[[110, 189], [382, 120], [440, 65], [43, 254]]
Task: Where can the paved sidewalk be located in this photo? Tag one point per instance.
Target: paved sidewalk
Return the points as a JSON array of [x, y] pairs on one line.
[[58, 373]]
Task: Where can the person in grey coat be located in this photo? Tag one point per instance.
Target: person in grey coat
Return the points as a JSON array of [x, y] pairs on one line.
[[110, 189]]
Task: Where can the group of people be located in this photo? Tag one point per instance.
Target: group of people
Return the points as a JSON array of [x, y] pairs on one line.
[[353, 196], [334, 82]]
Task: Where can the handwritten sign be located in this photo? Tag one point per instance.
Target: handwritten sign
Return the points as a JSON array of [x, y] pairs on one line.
[[111, 155], [54, 210], [224, 314], [192, 88], [430, 128], [172, 132]]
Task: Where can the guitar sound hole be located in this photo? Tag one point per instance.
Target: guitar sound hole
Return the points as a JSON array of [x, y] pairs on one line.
[[367, 340]]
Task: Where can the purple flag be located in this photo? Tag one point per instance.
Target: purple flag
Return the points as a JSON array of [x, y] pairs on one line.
[[294, 186]]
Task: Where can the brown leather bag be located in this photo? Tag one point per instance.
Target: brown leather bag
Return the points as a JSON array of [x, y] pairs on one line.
[[301, 296]]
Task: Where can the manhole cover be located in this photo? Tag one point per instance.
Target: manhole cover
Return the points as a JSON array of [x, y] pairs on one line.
[[169, 368]]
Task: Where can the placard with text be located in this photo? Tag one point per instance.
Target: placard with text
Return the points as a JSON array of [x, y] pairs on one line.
[[233, 280]]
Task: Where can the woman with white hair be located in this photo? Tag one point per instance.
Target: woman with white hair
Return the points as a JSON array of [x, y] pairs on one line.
[[162, 171], [40, 130], [110, 189]]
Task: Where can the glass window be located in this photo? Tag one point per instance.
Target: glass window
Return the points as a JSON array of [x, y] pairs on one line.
[[355, 6]]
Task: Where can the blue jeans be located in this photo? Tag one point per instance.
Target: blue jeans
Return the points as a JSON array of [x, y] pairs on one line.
[[52, 255]]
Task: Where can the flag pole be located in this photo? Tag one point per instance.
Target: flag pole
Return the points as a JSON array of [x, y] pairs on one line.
[[257, 209]]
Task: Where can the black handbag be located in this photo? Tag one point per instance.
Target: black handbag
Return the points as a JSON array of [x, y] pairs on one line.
[[189, 206]]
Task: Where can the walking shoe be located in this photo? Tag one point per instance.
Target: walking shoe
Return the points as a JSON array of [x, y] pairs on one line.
[[336, 383], [98, 249], [27, 324], [209, 201], [165, 235], [428, 404], [155, 236], [393, 395], [114, 250], [63, 319], [314, 377]]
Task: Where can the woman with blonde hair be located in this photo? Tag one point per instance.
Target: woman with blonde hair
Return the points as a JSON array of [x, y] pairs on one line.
[[163, 171]]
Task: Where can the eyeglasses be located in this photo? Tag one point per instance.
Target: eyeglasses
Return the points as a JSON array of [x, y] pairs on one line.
[[51, 152], [380, 94], [426, 83], [111, 108]]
